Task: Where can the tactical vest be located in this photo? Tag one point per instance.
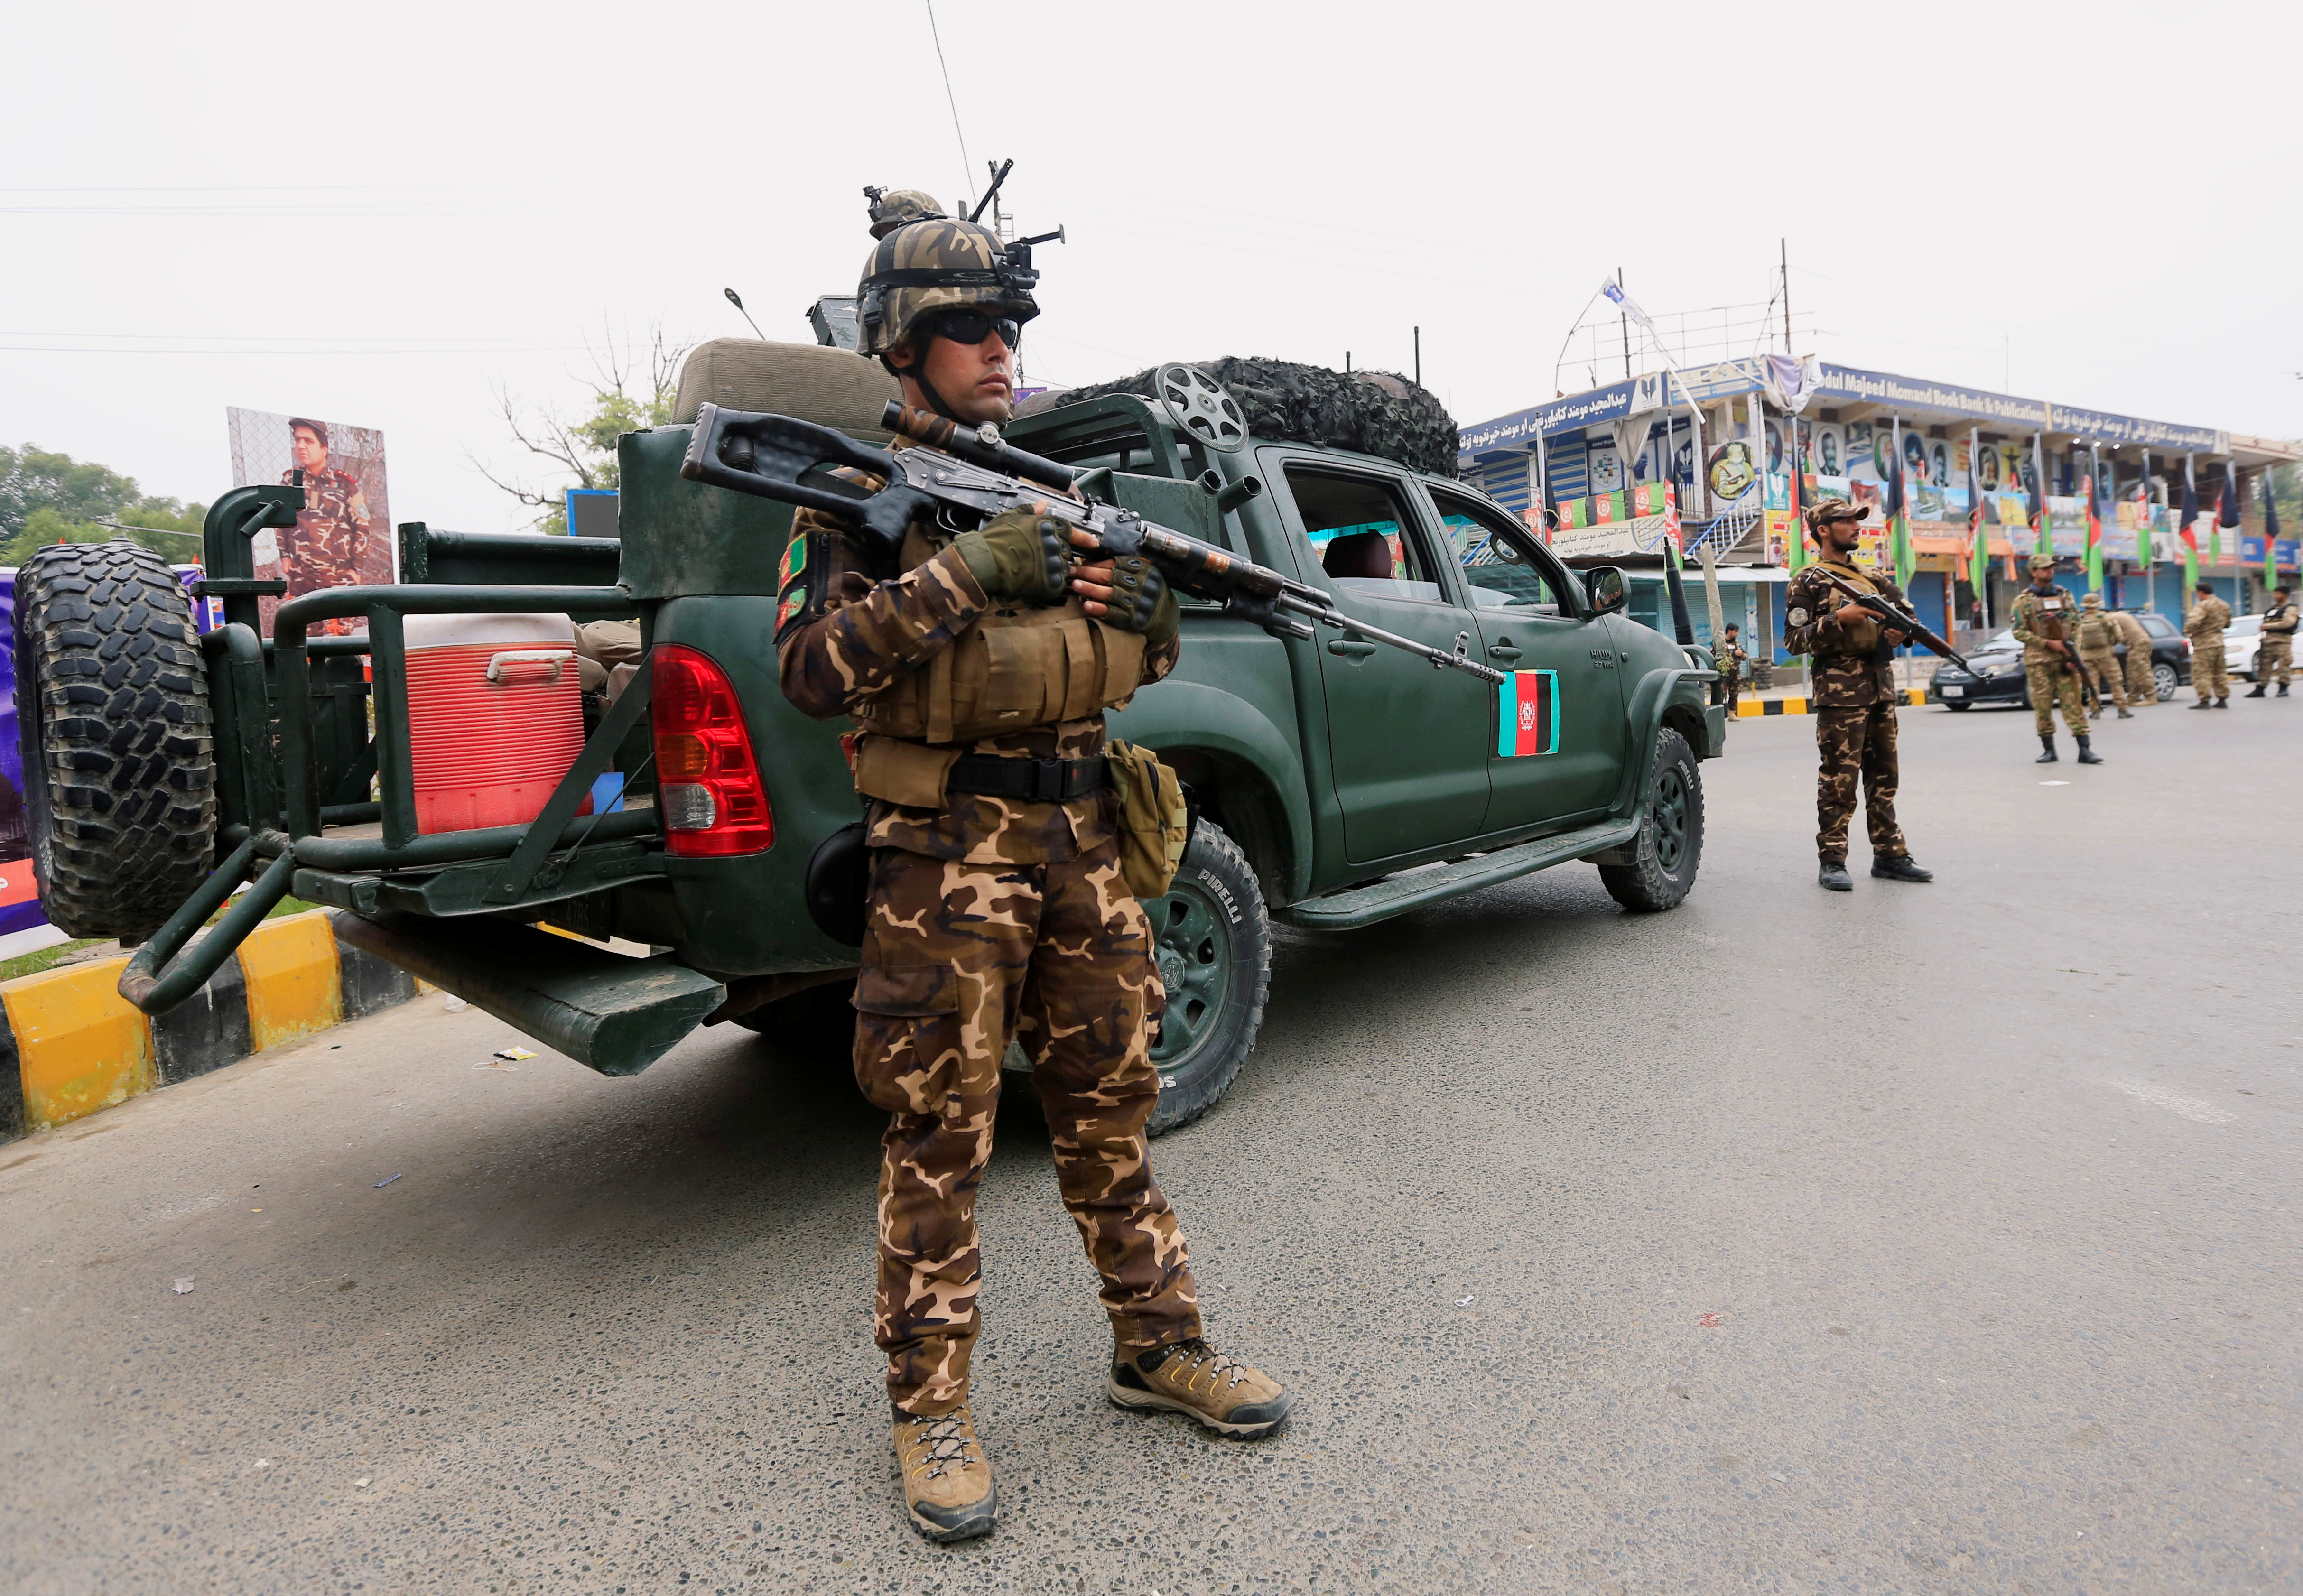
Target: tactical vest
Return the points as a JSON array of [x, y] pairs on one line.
[[1862, 637], [1012, 669], [2097, 630]]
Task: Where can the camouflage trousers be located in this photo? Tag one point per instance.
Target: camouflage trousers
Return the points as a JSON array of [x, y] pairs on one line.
[[2209, 677], [2050, 684], [2103, 665], [1735, 690], [2141, 685], [956, 959], [1856, 745], [2275, 659]]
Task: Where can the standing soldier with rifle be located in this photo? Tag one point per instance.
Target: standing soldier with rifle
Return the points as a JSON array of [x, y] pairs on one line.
[[1730, 657], [996, 904], [1854, 698], [2277, 652], [2098, 637], [2043, 618], [2203, 625]]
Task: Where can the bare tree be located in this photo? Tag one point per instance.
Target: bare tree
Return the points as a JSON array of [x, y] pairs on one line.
[[584, 449]]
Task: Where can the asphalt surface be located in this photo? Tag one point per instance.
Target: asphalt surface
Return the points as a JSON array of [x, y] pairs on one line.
[[1929, 1239]]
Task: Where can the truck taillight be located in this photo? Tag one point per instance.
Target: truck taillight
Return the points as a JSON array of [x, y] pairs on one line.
[[708, 786]]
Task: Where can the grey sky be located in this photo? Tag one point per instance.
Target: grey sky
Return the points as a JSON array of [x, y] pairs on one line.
[[379, 215]]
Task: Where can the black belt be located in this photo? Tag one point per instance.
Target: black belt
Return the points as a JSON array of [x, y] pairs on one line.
[[1034, 780]]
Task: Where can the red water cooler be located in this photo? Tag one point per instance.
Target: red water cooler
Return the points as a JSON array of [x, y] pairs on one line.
[[496, 717]]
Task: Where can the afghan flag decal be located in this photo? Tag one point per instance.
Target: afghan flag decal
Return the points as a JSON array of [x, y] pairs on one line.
[[1527, 713]]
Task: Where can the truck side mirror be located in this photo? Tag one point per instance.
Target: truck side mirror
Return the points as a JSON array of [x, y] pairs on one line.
[[1605, 587]]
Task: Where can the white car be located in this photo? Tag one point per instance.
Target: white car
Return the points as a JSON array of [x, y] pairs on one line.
[[2241, 638]]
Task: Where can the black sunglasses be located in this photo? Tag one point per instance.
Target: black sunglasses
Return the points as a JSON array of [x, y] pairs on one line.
[[964, 326]]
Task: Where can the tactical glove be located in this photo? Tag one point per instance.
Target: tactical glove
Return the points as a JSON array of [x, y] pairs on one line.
[[1018, 555], [1141, 600]]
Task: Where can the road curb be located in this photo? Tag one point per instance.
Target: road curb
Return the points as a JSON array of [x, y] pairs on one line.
[[1751, 708], [71, 1046]]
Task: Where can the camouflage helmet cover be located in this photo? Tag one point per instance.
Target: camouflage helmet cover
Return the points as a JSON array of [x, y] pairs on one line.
[[1824, 512], [929, 265], [2042, 562], [898, 206]]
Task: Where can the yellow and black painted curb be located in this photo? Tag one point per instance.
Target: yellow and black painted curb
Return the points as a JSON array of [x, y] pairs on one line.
[[70, 1045], [1748, 708]]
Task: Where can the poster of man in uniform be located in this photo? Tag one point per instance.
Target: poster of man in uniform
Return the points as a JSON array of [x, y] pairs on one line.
[[343, 535]]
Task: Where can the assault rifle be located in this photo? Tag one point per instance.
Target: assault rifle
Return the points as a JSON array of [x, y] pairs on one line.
[[1892, 619], [2050, 628], [963, 477]]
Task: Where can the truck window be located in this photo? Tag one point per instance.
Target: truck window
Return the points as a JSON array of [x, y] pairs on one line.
[[1499, 576], [1365, 538]]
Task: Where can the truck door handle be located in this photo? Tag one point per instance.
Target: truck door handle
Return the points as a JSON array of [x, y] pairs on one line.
[[1350, 647], [1502, 651]]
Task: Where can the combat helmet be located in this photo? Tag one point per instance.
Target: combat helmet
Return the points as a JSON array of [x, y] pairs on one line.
[[930, 262], [895, 207]]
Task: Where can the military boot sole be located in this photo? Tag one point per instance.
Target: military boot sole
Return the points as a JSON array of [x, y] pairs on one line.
[[947, 1525], [1251, 1422]]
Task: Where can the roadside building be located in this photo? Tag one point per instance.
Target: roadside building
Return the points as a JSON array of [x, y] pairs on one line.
[[1600, 459]]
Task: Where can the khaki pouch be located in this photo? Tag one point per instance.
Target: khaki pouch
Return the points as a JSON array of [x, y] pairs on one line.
[[902, 772], [1154, 825]]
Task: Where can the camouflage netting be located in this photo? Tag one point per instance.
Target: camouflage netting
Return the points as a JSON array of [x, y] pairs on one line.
[[1372, 412]]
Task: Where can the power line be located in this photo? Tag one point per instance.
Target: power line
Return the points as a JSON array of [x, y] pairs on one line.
[[966, 164]]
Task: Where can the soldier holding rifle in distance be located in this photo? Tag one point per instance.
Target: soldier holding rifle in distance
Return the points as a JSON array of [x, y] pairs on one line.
[[1825, 617], [996, 906], [2044, 617], [2204, 624]]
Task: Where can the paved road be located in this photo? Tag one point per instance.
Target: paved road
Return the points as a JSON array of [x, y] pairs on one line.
[[1604, 1253]]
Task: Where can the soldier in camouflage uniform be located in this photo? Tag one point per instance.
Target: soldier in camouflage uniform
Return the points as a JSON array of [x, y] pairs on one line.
[[2276, 655], [996, 905], [329, 528], [2142, 684], [2098, 637], [2204, 624], [1728, 659], [2042, 619], [1854, 700]]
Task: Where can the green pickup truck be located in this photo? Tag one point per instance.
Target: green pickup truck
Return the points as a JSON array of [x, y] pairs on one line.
[[1336, 782]]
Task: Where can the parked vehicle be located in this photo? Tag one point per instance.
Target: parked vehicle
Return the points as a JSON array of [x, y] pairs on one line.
[[2242, 641], [1337, 783], [2000, 663]]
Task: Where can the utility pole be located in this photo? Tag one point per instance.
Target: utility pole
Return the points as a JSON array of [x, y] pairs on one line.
[[1784, 257], [1419, 357], [1624, 320]]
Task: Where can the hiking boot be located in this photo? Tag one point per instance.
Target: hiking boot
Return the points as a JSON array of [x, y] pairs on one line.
[[1899, 867], [948, 1487], [2224, 703], [2126, 713], [2260, 689], [1192, 1377], [2204, 704], [2283, 690], [1831, 875], [2087, 756], [2047, 754]]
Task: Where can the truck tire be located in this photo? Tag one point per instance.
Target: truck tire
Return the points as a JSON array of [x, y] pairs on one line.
[[1214, 940], [113, 723], [1670, 846]]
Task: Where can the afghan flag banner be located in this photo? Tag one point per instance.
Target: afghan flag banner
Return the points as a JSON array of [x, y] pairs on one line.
[[2269, 537], [1527, 713], [2094, 539]]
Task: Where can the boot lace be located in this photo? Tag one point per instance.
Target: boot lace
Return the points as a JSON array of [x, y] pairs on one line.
[[1197, 1357], [941, 1445]]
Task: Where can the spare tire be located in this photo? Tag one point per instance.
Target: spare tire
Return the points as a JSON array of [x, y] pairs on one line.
[[1370, 412], [112, 716]]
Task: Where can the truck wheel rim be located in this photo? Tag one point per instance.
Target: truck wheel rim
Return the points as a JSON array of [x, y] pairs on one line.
[[1192, 944], [1670, 820]]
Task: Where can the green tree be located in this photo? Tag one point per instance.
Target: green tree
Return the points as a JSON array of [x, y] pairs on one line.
[[582, 453], [46, 497]]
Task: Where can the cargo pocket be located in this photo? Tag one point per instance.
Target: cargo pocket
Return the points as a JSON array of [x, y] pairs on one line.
[[908, 1052]]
